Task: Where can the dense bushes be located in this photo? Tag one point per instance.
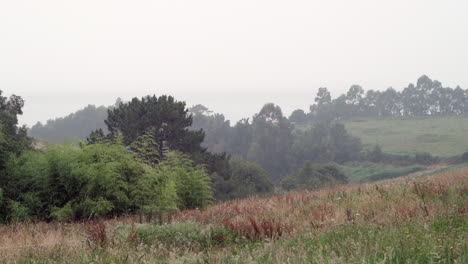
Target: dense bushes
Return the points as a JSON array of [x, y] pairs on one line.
[[377, 155], [464, 157], [13, 139], [66, 183], [279, 145], [104, 177], [324, 143], [246, 179], [314, 176], [193, 185]]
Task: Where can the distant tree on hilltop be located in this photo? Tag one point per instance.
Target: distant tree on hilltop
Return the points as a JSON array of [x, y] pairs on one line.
[[75, 126], [425, 98]]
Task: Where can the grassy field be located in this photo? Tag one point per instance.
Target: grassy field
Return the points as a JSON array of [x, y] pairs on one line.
[[402, 221], [370, 172], [440, 136]]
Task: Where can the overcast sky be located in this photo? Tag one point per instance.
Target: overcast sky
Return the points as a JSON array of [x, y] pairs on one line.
[[232, 56]]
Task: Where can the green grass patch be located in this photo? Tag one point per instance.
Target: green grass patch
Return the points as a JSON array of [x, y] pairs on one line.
[[436, 242], [185, 235], [431, 138], [440, 136], [368, 172], [447, 169]]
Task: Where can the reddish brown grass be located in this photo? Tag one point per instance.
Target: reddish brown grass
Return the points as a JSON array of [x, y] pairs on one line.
[[97, 234], [282, 215], [387, 202]]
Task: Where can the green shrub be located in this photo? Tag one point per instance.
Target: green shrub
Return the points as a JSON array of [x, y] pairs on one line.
[[155, 193], [66, 182], [246, 179], [192, 183], [18, 212], [65, 213], [69, 183], [464, 157], [94, 208], [314, 176], [187, 235]]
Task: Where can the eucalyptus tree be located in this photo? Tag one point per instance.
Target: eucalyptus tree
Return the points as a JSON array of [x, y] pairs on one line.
[[271, 140]]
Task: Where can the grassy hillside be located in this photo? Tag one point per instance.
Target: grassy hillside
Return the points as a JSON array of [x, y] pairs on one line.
[[419, 221], [441, 136], [370, 172]]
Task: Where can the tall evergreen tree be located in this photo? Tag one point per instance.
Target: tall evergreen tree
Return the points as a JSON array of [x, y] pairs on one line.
[[169, 118]]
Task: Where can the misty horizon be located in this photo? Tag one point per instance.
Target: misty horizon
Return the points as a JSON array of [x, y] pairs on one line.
[[248, 131], [231, 57], [250, 104]]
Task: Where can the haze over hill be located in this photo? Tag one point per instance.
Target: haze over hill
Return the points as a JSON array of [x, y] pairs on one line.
[[232, 56], [424, 117], [248, 131]]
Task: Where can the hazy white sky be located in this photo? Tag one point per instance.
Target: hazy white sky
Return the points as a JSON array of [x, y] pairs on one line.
[[231, 56]]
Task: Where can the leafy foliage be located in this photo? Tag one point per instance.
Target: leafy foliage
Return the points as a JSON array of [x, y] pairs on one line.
[[215, 126], [13, 141], [247, 179], [97, 136], [66, 183], [313, 176], [325, 143], [426, 98], [192, 183], [275, 142], [298, 117], [168, 117], [146, 148], [271, 140]]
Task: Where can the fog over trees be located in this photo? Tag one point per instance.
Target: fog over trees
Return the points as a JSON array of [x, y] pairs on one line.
[[425, 98], [269, 138], [233, 131], [153, 155]]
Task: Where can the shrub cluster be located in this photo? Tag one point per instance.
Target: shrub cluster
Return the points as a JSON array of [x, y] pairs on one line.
[[314, 176], [377, 155], [246, 179], [70, 183]]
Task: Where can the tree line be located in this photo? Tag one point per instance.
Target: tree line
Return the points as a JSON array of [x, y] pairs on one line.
[[271, 140], [75, 126], [153, 155], [278, 144], [149, 163], [425, 98]]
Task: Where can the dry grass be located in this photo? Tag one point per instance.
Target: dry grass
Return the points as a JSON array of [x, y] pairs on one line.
[[270, 223], [331, 206], [17, 240]]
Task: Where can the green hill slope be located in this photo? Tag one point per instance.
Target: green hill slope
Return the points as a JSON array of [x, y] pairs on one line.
[[440, 136]]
